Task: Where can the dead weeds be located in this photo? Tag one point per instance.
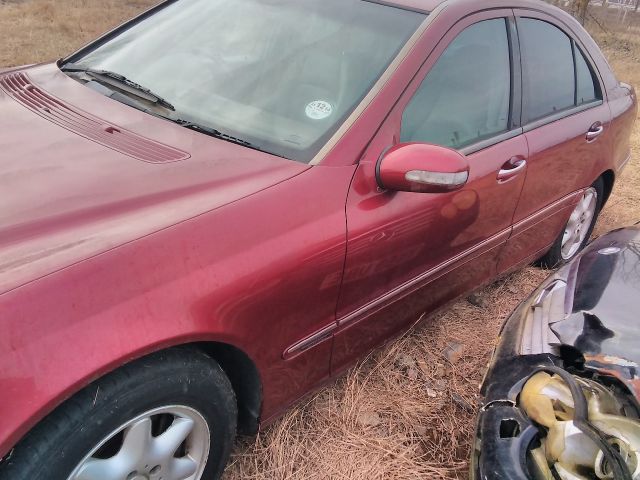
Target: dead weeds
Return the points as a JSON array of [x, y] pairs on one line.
[[406, 411]]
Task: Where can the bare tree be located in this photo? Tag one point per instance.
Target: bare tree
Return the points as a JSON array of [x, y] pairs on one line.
[[579, 9]]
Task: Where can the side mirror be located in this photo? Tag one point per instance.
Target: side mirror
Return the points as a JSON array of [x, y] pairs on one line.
[[423, 168]]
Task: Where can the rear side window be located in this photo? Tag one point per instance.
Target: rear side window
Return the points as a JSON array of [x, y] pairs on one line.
[[547, 68], [586, 85], [465, 97], [556, 75]]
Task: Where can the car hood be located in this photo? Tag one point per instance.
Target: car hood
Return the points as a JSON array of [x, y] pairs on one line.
[[603, 292], [81, 174], [583, 321], [603, 287], [588, 307]]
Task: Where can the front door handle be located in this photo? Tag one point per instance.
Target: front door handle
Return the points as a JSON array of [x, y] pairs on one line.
[[595, 131], [512, 168]]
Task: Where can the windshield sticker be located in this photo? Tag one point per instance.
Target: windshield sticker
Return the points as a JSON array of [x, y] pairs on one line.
[[319, 110]]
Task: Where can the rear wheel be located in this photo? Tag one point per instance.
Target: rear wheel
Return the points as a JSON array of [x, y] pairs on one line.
[[578, 229], [171, 416]]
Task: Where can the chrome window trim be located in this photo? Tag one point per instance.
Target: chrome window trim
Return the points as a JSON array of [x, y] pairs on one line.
[[378, 86], [560, 115], [489, 142]]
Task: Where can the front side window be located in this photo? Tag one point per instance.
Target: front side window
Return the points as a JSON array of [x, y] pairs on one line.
[[282, 76], [465, 97]]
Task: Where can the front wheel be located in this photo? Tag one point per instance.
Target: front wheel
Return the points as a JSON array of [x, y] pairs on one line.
[[170, 416], [578, 229]]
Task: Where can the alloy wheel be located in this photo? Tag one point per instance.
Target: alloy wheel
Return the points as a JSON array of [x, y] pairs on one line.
[[579, 223], [168, 443]]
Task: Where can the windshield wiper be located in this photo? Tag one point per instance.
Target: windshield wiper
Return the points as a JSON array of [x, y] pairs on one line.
[[213, 132], [132, 87], [191, 125], [210, 131]]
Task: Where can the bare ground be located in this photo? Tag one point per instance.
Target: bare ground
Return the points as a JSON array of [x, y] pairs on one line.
[[406, 411]]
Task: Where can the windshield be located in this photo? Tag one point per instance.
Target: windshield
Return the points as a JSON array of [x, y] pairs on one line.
[[281, 75]]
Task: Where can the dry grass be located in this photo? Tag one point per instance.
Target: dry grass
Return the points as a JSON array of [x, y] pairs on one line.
[[38, 30], [405, 412], [623, 51]]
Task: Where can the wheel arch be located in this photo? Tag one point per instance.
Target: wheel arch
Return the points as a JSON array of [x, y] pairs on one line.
[[608, 177], [238, 366], [245, 380]]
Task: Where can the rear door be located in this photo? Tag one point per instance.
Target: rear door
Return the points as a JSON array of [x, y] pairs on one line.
[[566, 124], [408, 253]]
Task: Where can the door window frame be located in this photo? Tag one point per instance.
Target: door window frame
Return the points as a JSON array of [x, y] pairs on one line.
[[515, 103], [576, 47]]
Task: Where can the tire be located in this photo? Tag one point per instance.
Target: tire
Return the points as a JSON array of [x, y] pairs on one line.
[[558, 254], [165, 392]]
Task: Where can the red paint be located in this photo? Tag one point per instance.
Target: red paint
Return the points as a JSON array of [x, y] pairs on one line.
[[403, 159], [105, 258]]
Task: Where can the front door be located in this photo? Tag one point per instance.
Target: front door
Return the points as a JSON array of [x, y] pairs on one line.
[[408, 253]]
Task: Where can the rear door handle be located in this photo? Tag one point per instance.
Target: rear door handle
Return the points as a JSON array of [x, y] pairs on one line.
[[512, 168], [595, 131]]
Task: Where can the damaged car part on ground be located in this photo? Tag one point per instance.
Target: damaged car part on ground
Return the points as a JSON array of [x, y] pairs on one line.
[[562, 390]]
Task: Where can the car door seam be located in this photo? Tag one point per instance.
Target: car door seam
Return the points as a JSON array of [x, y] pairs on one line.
[[462, 258], [489, 243], [552, 208]]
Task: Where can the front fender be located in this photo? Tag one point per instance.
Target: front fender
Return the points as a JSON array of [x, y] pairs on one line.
[[244, 275]]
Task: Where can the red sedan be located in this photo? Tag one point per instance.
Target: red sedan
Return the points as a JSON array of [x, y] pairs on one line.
[[219, 206]]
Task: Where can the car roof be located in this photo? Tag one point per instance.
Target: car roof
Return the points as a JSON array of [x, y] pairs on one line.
[[421, 5], [430, 5]]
